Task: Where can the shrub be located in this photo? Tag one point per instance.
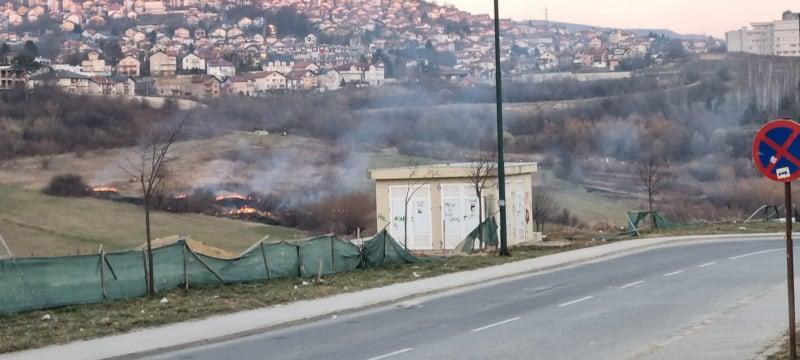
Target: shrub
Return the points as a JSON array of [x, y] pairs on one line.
[[67, 185]]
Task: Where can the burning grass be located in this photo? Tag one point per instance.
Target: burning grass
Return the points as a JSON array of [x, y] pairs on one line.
[[35, 224]]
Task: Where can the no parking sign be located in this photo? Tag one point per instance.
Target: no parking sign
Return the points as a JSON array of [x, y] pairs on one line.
[[776, 154], [776, 150]]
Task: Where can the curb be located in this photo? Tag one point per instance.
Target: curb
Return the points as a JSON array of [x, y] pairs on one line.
[[213, 329]]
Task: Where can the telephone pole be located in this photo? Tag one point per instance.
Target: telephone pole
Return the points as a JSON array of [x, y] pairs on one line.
[[501, 169]]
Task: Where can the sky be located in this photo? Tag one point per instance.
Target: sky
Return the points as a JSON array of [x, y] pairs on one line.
[[704, 17]]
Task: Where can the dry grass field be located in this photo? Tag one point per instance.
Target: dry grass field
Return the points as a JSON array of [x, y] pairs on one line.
[[34, 224], [38, 225]]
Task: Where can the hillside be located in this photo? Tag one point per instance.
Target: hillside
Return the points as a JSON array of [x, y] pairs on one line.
[[666, 32], [34, 224]]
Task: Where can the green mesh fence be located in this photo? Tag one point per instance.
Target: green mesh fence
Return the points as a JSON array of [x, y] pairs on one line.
[[488, 231], [638, 217], [383, 249], [40, 283]]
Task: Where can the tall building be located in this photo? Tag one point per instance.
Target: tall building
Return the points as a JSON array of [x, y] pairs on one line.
[[786, 35], [779, 37]]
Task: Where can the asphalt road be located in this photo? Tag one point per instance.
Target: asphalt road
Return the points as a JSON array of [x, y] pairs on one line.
[[610, 309]]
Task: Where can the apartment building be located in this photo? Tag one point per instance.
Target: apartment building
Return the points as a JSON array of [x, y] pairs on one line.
[[11, 78], [778, 37]]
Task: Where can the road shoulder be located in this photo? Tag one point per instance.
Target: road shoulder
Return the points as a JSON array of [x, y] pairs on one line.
[[229, 326]]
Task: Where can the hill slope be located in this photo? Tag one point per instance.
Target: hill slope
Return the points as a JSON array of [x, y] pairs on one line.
[[35, 224]]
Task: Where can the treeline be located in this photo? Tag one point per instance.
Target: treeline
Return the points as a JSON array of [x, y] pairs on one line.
[[47, 121], [675, 122]]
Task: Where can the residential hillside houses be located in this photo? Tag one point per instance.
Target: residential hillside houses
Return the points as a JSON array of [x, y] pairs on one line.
[[212, 49], [79, 84]]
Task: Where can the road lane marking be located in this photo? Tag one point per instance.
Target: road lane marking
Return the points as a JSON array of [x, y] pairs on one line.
[[576, 301], [495, 324], [708, 264], [673, 273], [631, 284], [755, 253], [398, 352]]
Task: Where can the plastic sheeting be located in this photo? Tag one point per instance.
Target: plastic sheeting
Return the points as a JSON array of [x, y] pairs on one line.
[[40, 283]]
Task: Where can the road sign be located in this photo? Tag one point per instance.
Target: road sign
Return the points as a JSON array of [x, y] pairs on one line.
[[776, 154], [776, 150]]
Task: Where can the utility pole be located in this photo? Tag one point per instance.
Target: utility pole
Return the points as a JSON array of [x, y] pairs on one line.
[[501, 169]]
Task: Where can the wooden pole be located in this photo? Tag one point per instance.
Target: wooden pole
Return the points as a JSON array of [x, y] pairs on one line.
[[185, 268], [790, 272], [333, 255], [299, 262], [102, 273], [319, 271], [146, 278], [264, 257]]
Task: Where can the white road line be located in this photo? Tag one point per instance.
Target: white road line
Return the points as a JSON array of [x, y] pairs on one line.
[[708, 264], [575, 301], [495, 324], [631, 284], [673, 273], [398, 352], [754, 253]]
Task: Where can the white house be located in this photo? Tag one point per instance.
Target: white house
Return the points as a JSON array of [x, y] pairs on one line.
[[375, 75], [220, 68], [193, 63]]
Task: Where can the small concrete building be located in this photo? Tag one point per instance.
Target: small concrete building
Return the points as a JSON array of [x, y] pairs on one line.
[[443, 205]]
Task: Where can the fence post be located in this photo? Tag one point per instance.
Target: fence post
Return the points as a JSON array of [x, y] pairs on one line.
[[264, 257], [299, 262], [333, 255], [185, 268], [102, 273], [146, 278]]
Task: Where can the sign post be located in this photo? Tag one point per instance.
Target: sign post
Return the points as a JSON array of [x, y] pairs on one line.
[[790, 271], [776, 154]]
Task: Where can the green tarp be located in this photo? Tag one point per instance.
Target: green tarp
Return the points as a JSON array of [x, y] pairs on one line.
[[383, 249], [488, 231], [40, 283], [638, 217]]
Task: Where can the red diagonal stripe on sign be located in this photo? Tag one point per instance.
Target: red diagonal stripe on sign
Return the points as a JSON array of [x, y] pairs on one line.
[[782, 151]]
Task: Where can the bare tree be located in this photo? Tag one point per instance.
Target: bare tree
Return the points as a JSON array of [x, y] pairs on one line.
[[481, 170], [543, 208], [149, 168], [653, 179], [416, 182]]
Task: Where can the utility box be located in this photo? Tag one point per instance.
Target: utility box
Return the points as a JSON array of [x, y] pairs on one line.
[[442, 207]]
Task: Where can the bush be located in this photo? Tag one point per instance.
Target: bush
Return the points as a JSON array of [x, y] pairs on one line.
[[67, 185]]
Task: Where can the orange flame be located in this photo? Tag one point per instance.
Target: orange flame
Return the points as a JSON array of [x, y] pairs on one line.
[[232, 196], [104, 189], [244, 211]]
